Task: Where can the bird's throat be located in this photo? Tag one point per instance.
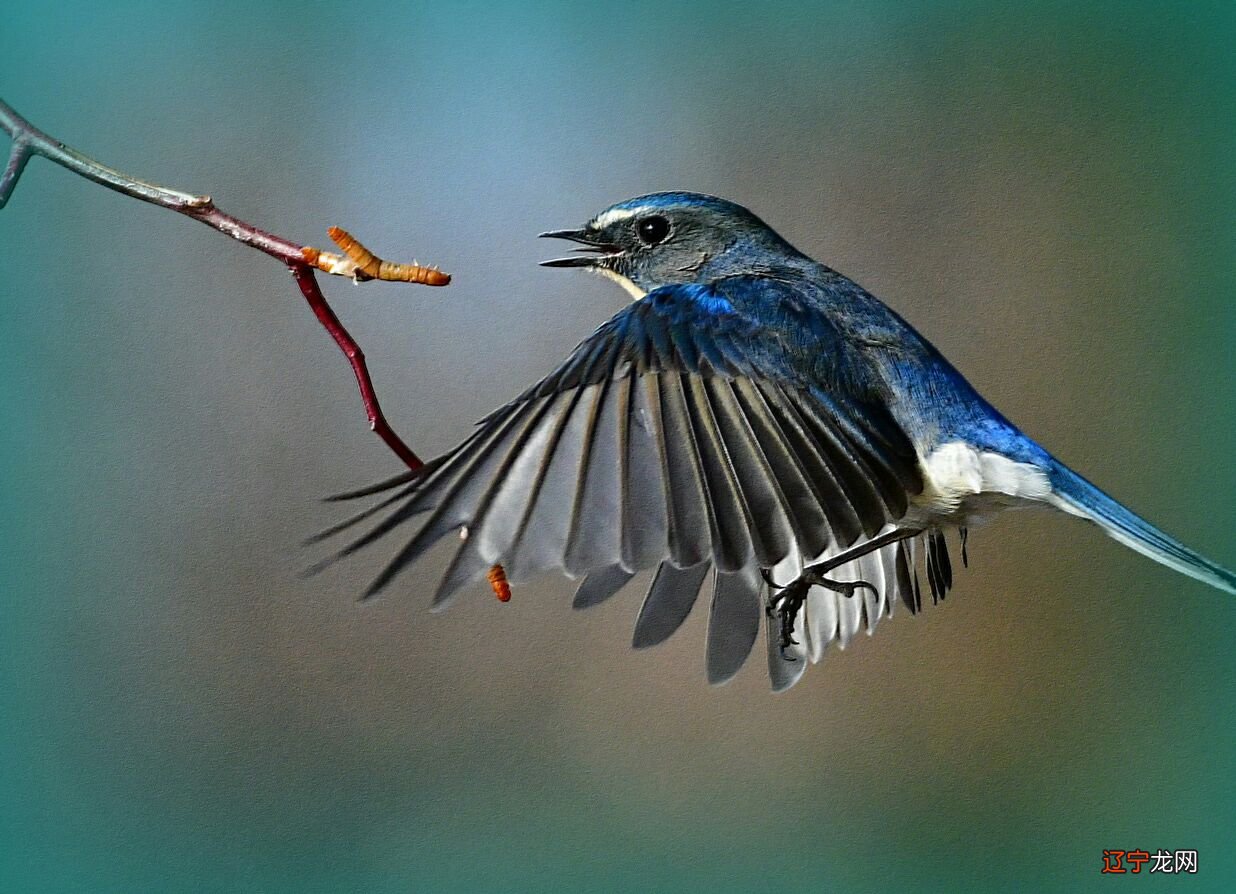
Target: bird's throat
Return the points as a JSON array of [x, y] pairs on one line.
[[631, 288]]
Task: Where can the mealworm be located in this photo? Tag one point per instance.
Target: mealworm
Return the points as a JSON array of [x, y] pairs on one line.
[[497, 580], [374, 267]]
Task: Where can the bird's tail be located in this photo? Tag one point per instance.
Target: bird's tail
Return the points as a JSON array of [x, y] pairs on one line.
[[1077, 496]]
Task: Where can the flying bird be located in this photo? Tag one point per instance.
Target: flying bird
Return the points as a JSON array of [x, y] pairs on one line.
[[753, 413]]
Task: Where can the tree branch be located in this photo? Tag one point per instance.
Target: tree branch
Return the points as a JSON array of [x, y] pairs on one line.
[[29, 141], [357, 261]]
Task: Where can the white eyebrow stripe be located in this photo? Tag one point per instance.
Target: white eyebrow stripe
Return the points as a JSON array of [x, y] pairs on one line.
[[612, 216]]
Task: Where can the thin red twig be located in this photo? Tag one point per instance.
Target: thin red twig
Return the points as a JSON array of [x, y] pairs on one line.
[[377, 420]]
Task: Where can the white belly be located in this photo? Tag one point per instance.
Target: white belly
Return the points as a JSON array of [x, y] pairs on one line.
[[961, 482]]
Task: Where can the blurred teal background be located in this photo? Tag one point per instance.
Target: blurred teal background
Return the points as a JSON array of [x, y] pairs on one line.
[[1047, 191]]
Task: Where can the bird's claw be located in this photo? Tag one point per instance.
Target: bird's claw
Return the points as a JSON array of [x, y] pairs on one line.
[[785, 605], [789, 600], [847, 588]]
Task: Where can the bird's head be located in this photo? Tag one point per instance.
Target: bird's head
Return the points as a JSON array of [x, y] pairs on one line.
[[672, 237]]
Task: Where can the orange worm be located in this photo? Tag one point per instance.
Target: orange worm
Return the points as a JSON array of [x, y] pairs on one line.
[[364, 259], [425, 276], [374, 267], [497, 580]]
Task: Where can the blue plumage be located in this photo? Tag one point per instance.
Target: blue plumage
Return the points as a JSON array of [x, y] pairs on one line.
[[756, 413]]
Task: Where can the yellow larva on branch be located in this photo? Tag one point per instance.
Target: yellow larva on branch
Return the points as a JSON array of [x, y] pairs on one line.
[[374, 267]]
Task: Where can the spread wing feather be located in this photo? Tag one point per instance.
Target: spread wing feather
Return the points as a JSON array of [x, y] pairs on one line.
[[670, 598], [680, 436], [733, 622]]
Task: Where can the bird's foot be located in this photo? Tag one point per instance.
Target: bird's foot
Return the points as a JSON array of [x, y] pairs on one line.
[[784, 604], [786, 601]]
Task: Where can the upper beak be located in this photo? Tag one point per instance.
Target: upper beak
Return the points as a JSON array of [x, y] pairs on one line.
[[597, 250]]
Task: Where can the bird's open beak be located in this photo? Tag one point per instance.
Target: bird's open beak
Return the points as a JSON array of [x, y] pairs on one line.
[[596, 251]]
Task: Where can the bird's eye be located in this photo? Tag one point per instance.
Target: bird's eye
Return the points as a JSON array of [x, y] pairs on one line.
[[652, 230]]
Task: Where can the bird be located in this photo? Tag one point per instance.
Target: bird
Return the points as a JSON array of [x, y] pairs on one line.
[[752, 413]]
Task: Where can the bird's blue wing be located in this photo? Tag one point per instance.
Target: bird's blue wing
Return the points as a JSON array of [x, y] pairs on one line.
[[717, 425]]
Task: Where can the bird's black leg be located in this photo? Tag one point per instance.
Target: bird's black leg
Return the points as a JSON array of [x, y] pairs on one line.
[[785, 605], [787, 601]]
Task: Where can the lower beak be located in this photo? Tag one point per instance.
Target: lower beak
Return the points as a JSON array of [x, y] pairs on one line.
[[572, 261], [597, 251]]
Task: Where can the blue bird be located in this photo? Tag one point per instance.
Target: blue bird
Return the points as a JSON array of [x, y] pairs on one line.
[[753, 413]]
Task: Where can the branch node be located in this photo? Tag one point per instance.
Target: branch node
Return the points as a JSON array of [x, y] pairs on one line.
[[329, 262], [19, 155]]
